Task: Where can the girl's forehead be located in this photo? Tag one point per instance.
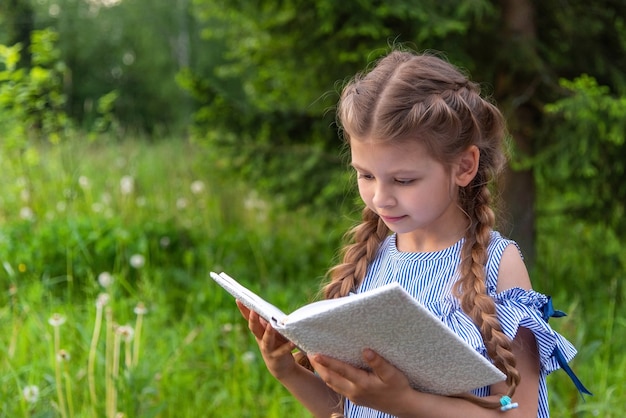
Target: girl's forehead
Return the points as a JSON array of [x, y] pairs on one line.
[[396, 150], [391, 157]]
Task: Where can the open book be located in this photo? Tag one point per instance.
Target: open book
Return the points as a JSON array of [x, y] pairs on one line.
[[387, 320]]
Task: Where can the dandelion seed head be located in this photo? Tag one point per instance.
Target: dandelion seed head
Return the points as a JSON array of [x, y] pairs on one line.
[[97, 207], [165, 242], [102, 300], [197, 187], [140, 309], [56, 320], [105, 279], [126, 332], [248, 357], [12, 290], [226, 328], [27, 213], [129, 57], [84, 182], [63, 356], [54, 10], [31, 394], [181, 203], [137, 261], [127, 185]]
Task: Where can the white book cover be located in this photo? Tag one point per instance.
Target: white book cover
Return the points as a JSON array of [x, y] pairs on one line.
[[387, 320]]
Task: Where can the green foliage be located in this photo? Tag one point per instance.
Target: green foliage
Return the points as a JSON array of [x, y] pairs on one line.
[[584, 161], [580, 223], [584, 38], [131, 47], [105, 120], [157, 219], [267, 98], [31, 99], [579, 183]]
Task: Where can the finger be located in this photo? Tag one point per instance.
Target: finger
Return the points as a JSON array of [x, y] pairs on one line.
[[245, 312], [327, 374], [275, 343], [338, 375], [385, 371], [256, 326]]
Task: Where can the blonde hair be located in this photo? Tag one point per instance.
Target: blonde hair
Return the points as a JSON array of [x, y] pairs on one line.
[[411, 97]]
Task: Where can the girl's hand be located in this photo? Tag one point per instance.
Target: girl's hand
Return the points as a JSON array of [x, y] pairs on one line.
[[382, 388], [275, 349]]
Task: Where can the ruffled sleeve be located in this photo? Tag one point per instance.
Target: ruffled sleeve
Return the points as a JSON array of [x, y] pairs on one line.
[[516, 308], [524, 308]]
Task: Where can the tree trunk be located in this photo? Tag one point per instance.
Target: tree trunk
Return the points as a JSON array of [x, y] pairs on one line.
[[514, 87]]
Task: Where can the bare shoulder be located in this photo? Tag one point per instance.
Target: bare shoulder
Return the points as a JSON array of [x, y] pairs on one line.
[[512, 271]]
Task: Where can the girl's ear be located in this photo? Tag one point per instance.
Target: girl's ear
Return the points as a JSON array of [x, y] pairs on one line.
[[467, 166]]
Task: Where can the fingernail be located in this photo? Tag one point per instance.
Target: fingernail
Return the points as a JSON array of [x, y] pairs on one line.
[[368, 354]]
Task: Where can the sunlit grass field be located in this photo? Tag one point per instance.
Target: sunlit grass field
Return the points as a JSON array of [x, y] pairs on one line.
[[107, 309], [143, 224]]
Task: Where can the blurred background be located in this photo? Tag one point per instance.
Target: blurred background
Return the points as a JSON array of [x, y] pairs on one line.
[[150, 141]]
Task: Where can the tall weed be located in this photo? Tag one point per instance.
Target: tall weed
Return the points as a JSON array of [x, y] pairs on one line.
[[153, 220]]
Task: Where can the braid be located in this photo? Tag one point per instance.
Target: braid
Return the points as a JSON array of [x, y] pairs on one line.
[[471, 288], [366, 238], [423, 98], [346, 276]]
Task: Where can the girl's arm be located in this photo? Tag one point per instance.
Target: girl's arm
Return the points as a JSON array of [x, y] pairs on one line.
[[385, 388], [303, 384]]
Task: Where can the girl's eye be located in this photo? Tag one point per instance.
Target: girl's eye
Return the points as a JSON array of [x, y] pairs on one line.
[[404, 181], [364, 176]]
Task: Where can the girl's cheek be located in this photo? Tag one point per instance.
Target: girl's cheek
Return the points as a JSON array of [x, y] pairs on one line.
[[365, 192]]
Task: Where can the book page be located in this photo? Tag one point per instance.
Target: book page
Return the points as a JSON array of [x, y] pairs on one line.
[[316, 308], [251, 300]]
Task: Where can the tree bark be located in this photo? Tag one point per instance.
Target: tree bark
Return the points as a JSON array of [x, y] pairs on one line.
[[514, 88]]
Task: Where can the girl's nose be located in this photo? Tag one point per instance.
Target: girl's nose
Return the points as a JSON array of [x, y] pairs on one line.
[[383, 197]]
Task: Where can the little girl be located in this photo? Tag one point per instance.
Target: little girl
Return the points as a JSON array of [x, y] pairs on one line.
[[425, 147]]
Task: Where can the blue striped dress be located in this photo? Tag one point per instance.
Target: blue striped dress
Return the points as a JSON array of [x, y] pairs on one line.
[[429, 278]]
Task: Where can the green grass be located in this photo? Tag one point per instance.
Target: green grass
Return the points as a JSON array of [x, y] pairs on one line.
[[65, 219]]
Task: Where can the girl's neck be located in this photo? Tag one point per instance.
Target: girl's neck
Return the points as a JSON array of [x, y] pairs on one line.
[[430, 241]]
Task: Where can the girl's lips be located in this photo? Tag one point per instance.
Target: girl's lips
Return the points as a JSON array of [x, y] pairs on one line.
[[391, 219]]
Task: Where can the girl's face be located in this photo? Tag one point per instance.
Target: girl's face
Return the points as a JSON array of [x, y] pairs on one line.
[[415, 195]]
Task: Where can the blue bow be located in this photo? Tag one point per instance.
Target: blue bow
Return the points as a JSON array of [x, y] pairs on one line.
[[549, 312], [563, 363]]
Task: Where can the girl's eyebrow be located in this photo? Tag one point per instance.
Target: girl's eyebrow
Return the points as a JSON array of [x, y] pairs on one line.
[[396, 173]]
